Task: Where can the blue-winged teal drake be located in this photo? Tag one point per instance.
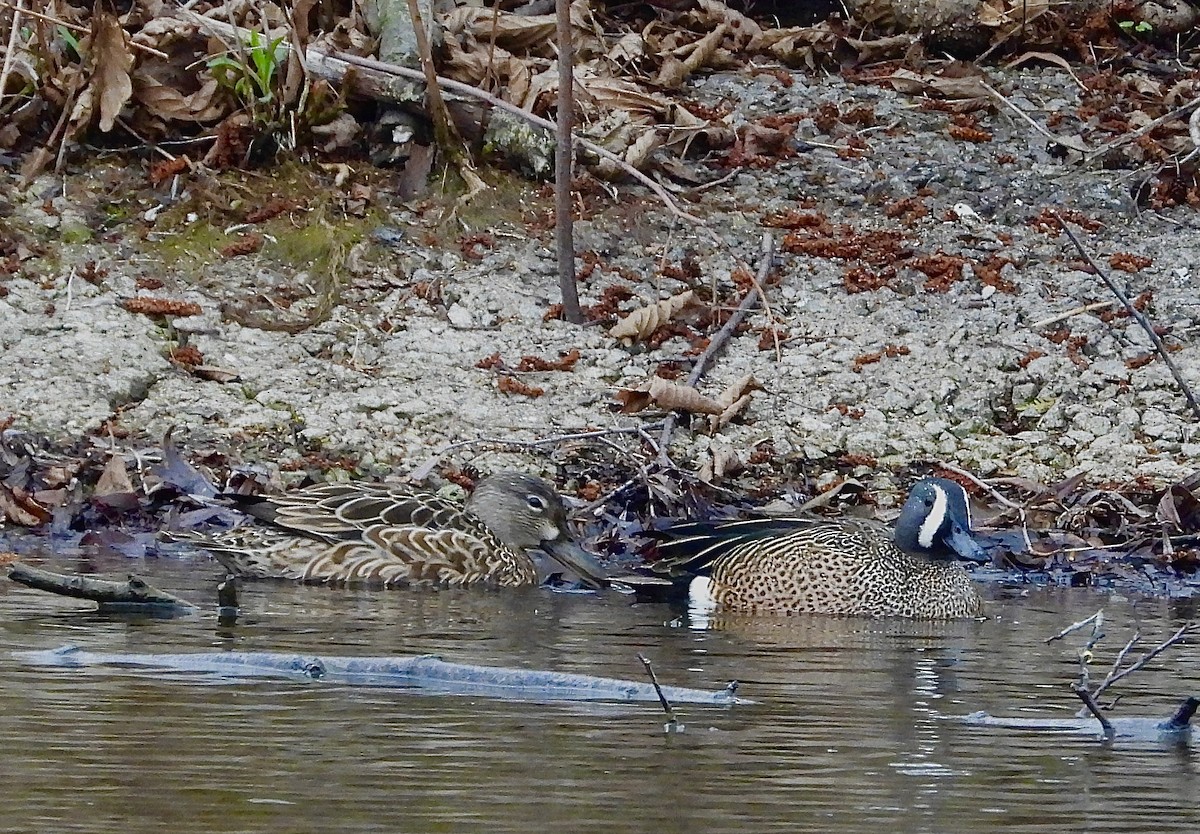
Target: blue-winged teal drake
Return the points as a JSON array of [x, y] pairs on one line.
[[395, 536], [833, 566]]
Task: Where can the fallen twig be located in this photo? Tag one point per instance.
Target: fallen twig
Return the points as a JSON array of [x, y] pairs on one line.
[[12, 45], [1078, 311], [1114, 675], [1134, 135], [1068, 143], [109, 594], [718, 341], [1073, 627], [672, 724], [1137, 314]]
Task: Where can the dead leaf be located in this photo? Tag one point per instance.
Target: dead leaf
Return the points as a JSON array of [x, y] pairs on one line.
[[114, 479], [721, 460], [642, 322], [733, 401], [111, 60], [19, 507], [670, 396]]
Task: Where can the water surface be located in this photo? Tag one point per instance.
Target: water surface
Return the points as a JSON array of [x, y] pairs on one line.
[[849, 733]]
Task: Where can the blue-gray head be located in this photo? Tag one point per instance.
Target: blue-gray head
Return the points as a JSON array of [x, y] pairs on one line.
[[936, 522]]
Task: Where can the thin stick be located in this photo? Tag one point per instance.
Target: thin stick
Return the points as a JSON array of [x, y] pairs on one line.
[[77, 28], [1086, 308], [316, 55], [1073, 627], [1112, 678], [12, 46], [1133, 136], [672, 721], [1066, 143], [564, 154], [1138, 316], [1090, 702], [718, 341]]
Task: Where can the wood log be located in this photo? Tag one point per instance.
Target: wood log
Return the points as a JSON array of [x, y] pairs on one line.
[[109, 594]]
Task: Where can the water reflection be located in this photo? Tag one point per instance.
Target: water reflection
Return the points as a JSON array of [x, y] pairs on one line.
[[849, 733]]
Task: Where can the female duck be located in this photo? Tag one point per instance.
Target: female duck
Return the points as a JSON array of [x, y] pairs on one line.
[[388, 535], [824, 566]]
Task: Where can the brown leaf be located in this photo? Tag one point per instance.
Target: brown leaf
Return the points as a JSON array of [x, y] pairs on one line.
[[19, 507], [667, 395], [111, 60], [114, 479], [642, 322]]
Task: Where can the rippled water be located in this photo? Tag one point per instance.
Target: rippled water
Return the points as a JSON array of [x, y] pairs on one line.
[[848, 733]]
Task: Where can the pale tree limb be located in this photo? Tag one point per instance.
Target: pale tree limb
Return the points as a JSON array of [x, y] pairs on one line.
[[109, 594]]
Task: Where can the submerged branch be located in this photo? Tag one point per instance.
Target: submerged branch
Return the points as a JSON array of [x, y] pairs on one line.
[[133, 592]]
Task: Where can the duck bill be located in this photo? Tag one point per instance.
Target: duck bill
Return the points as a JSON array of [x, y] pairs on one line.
[[577, 560], [965, 545]]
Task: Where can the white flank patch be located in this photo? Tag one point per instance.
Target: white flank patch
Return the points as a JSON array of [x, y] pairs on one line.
[[934, 518], [700, 596], [700, 603]]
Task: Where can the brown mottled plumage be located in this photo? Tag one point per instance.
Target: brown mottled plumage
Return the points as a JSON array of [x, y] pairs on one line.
[[387, 535], [835, 566]]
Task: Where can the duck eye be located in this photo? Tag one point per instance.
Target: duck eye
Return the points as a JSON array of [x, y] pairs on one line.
[[536, 502], [929, 503]]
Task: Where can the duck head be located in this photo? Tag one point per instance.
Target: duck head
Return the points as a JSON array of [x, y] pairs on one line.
[[526, 513], [936, 522]]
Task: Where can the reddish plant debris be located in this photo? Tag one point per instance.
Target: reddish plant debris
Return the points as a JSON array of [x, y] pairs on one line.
[[860, 279], [770, 337], [855, 148], [145, 282], [762, 144], [1047, 221], [244, 245], [969, 484], [763, 453], [1074, 352], [591, 261], [429, 292], [465, 478], [590, 491], [164, 171], [512, 385], [698, 346], [1058, 336], [878, 248], [565, 362], [553, 313], [853, 411], [669, 370], [50, 309], [942, 269], [989, 272], [492, 362], [890, 351], [743, 279], [1140, 304], [850, 459], [965, 128], [90, 273], [689, 269], [147, 306], [187, 355], [826, 117], [1128, 262], [798, 220], [908, 209], [274, 207], [667, 331], [321, 462], [610, 300], [474, 246], [1030, 355], [1005, 159], [1139, 361]]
